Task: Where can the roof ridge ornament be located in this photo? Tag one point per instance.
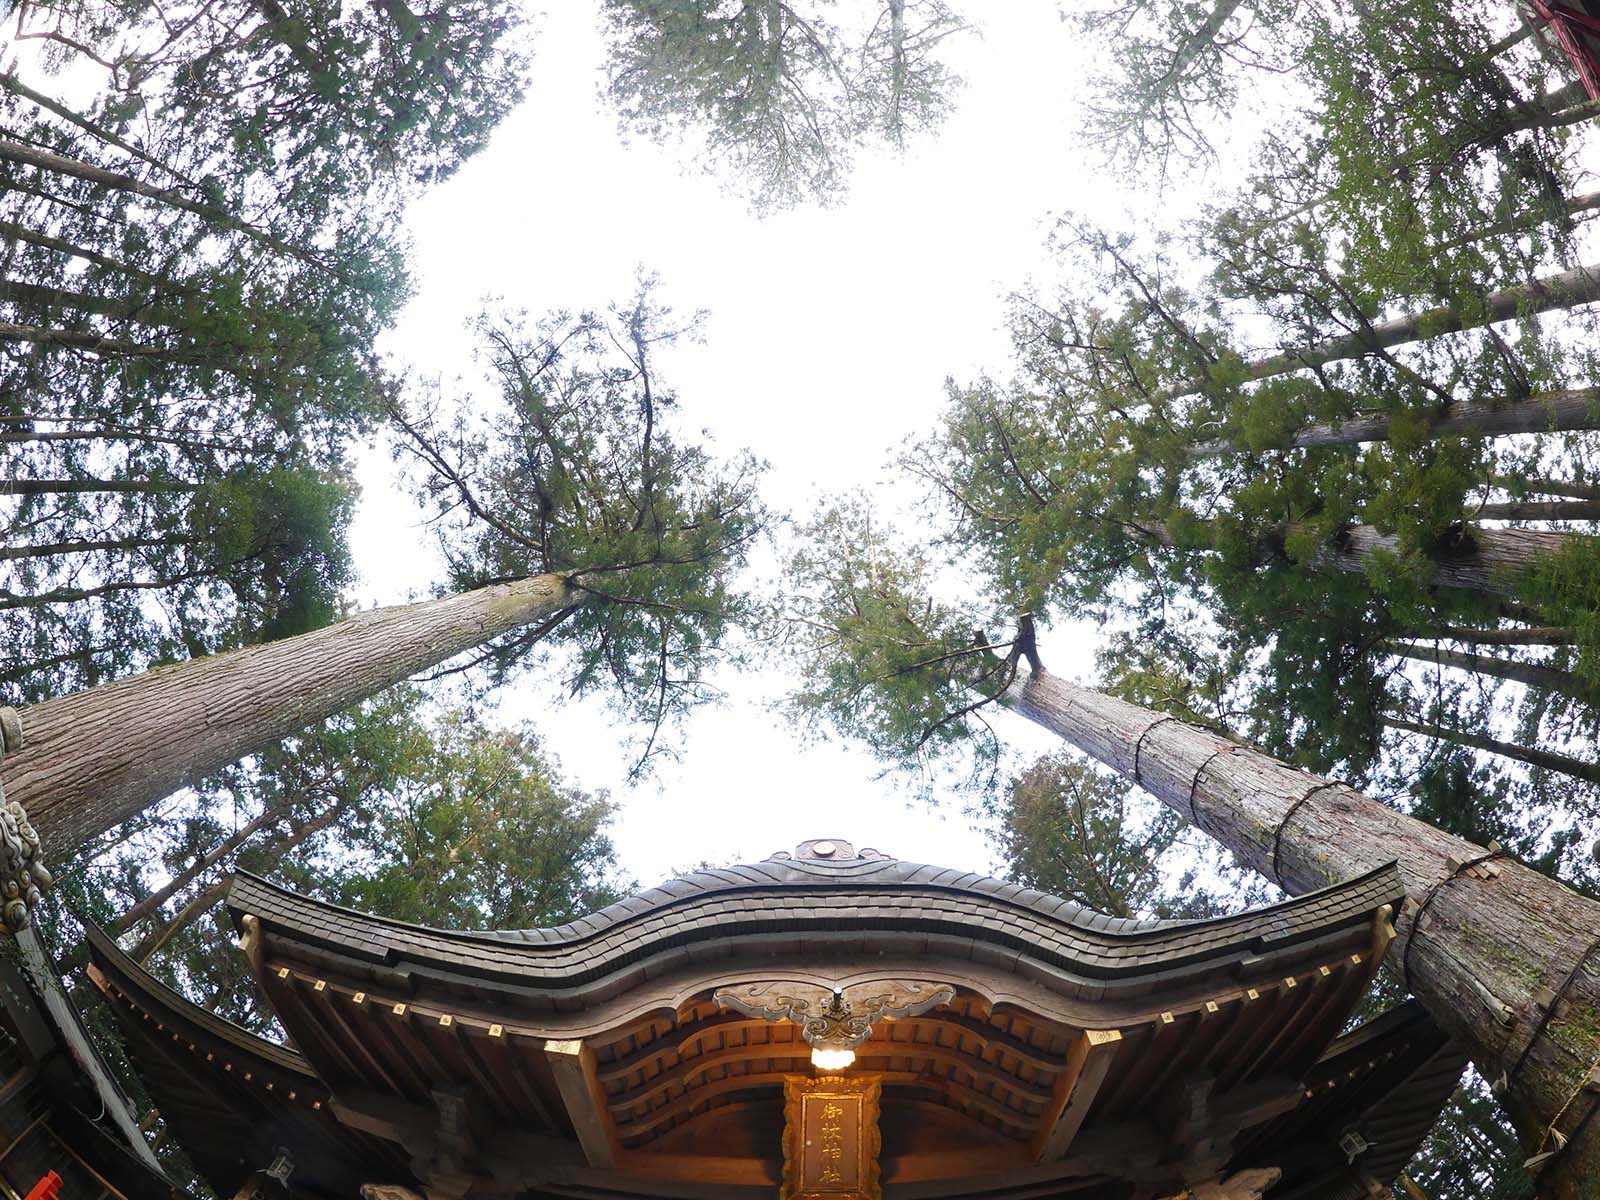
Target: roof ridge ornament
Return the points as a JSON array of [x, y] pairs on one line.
[[829, 850]]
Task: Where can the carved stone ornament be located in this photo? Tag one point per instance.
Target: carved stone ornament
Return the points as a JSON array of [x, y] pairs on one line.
[[22, 873], [835, 1017], [388, 1191]]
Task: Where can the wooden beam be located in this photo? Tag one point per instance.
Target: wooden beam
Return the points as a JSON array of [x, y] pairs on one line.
[[1088, 1060], [572, 1063]]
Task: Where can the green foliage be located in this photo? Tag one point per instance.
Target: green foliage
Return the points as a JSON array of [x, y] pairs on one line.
[[1072, 830], [580, 472], [1566, 585], [479, 831], [879, 658], [779, 93], [1471, 1151]]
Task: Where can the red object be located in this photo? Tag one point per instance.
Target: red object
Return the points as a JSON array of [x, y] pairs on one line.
[[1576, 33], [47, 1188]]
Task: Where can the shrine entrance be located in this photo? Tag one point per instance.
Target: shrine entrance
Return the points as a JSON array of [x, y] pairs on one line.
[[831, 1023]]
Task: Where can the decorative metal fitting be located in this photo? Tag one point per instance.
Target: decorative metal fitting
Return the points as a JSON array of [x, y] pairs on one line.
[[836, 1018]]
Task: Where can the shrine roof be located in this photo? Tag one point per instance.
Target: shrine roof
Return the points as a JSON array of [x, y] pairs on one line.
[[857, 901]]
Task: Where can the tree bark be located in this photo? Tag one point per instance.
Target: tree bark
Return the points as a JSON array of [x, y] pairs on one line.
[[45, 160], [57, 487], [1535, 675], [1488, 560], [58, 549], [188, 875], [1549, 412], [32, 294], [1480, 958], [1540, 510], [12, 231], [1548, 487], [97, 757], [1537, 635], [1564, 764], [1581, 285]]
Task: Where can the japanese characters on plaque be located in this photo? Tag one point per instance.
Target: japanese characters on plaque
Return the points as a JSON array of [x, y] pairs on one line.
[[830, 1138]]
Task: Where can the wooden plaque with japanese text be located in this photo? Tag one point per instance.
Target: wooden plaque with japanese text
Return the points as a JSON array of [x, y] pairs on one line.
[[830, 1138]]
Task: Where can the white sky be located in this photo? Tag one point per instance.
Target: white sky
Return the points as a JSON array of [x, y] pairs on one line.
[[830, 335]]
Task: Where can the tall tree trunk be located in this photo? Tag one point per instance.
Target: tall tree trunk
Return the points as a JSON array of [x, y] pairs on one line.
[[95, 758], [1569, 289], [1486, 956], [193, 871], [45, 160], [77, 339], [1563, 764], [58, 487], [12, 231], [1548, 487], [59, 549], [1535, 675], [203, 901], [1483, 559], [1548, 412], [1194, 45], [1537, 635], [31, 294], [1572, 207], [1540, 510], [15, 86]]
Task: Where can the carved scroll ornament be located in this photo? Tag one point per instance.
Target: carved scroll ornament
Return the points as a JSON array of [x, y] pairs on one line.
[[835, 1017], [22, 873]]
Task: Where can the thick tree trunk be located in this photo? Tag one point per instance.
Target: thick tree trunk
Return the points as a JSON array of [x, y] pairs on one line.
[[1540, 510], [1548, 412], [1488, 952], [1534, 675], [1579, 286], [1564, 764], [1484, 560], [189, 874], [95, 758], [1537, 635]]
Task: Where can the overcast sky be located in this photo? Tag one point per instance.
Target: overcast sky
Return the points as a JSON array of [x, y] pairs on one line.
[[830, 335]]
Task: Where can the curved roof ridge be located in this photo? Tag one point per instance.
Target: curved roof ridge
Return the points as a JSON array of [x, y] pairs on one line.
[[881, 873], [122, 972]]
